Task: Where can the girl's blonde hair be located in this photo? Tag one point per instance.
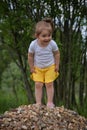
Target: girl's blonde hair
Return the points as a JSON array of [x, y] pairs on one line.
[[44, 24], [49, 20]]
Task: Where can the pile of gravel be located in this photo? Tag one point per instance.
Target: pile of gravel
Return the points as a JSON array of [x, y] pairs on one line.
[[31, 117]]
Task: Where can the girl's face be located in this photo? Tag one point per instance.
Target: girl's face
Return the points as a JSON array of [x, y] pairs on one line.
[[44, 37]]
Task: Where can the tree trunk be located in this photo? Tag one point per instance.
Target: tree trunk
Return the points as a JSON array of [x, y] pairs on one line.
[[28, 87], [82, 77]]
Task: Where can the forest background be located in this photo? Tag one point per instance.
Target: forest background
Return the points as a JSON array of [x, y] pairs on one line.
[[17, 20]]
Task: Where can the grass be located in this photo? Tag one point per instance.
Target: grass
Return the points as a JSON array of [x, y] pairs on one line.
[[8, 100], [82, 110]]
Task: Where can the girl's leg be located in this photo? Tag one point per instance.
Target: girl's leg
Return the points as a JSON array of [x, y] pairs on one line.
[[38, 92], [50, 94]]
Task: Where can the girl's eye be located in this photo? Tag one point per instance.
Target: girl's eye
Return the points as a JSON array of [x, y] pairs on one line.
[[46, 35], [43, 35]]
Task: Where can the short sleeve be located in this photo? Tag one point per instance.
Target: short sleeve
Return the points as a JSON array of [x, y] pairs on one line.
[[31, 47], [54, 46]]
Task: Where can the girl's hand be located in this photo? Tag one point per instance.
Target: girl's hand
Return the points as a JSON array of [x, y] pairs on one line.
[[32, 70], [56, 68]]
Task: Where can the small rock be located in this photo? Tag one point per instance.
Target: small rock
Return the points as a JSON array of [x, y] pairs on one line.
[[24, 127]]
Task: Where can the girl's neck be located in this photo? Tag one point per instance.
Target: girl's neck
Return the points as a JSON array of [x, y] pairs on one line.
[[42, 44]]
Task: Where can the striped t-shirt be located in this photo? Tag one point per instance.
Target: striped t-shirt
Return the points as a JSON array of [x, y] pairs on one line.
[[43, 56]]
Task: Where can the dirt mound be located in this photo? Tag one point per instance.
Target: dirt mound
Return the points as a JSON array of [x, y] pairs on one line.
[[31, 117]]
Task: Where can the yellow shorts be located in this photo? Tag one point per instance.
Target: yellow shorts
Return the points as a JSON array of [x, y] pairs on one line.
[[45, 75]]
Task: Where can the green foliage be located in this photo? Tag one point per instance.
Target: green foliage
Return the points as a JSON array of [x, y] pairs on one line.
[[12, 91], [17, 19], [82, 110], [9, 101], [11, 77], [4, 60]]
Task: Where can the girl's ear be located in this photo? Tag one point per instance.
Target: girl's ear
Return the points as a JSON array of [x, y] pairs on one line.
[[36, 35]]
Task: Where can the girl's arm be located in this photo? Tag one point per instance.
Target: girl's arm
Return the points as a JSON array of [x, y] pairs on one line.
[[57, 60], [31, 62]]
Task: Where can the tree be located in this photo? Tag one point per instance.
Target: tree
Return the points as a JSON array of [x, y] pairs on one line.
[[15, 36], [17, 22]]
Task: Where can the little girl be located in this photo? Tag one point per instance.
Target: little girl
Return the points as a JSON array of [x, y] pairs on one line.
[[43, 58]]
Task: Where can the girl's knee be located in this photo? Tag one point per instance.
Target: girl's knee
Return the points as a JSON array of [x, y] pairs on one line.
[[49, 84], [38, 84]]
